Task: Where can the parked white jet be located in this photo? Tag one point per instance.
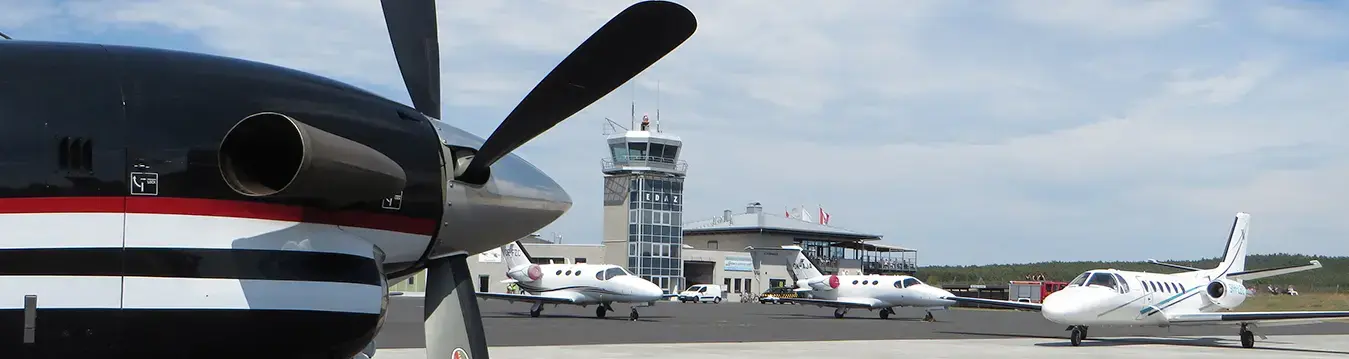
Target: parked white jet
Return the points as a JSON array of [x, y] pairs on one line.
[[576, 284], [844, 292], [1110, 297]]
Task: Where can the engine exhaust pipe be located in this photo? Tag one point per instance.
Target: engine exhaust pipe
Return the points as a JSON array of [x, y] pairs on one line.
[[269, 154]]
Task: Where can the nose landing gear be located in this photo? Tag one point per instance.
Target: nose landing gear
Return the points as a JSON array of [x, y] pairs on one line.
[[1077, 334]]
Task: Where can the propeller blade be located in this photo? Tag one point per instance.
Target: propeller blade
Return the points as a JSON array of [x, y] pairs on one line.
[[412, 30], [625, 46], [452, 320]]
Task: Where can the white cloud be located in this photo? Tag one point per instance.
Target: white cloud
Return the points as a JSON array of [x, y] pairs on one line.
[[974, 133]]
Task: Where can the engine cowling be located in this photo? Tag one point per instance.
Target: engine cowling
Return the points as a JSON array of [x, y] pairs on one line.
[[823, 283], [526, 274], [1225, 293]]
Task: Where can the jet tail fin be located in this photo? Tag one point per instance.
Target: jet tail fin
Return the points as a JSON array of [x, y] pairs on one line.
[[1234, 255], [799, 266], [514, 255]]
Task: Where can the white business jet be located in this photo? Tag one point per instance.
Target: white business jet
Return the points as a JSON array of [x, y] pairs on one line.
[[575, 284], [1109, 297], [844, 292]]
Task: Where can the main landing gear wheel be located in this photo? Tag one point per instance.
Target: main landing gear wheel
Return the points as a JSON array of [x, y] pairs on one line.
[[885, 313], [600, 311], [1247, 338], [535, 312], [838, 313], [633, 316], [1077, 334]]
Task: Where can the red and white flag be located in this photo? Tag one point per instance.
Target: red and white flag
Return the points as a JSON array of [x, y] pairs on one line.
[[824, 216]]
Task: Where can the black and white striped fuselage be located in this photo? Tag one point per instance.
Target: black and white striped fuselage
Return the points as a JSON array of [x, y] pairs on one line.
[[176, 275]]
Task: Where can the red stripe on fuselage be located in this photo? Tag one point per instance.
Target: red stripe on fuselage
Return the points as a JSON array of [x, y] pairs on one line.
[[217, 208]]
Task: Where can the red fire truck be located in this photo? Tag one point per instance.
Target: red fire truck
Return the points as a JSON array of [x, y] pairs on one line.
[[1032, 291]]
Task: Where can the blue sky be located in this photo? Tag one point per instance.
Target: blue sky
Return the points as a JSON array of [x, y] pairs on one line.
[[977, 132]]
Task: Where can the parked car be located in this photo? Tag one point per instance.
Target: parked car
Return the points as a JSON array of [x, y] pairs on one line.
[[774, 295], [701, 293]]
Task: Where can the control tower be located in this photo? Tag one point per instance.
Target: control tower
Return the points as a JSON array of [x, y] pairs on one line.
[[644, 204]]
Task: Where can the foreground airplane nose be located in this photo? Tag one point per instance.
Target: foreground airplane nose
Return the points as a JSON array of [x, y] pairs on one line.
[[941, 295], [1058, 309], [653, 291]]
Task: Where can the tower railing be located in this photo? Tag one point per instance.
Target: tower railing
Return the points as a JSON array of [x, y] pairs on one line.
[[664, 163]]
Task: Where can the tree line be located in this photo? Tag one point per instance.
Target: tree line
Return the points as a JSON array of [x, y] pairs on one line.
[[1329, 278]]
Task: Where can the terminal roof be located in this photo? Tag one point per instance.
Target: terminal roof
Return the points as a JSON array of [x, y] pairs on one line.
[[758, 221]]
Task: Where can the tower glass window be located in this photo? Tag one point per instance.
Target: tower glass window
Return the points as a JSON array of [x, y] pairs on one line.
[[656, 214]]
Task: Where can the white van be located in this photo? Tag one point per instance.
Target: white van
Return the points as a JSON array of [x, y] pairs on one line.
[[701, 293]]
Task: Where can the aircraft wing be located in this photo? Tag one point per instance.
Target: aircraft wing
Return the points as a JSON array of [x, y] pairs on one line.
[[995, 302], [862, 303], [1264, 319], [525, 298]]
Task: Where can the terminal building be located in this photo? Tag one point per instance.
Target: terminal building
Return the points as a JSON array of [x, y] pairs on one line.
[[645, 230]]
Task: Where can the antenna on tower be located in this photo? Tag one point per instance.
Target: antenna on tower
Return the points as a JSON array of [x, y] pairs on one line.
[[632, 114], [658, 106]]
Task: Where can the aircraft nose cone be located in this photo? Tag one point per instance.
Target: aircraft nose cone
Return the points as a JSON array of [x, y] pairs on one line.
[[941, 295], [1058, 309], [653, 291]]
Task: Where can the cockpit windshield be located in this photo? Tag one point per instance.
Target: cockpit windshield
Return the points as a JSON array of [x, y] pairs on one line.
[[1080, 280], [909, 282], [1103, 279], [613, 272]]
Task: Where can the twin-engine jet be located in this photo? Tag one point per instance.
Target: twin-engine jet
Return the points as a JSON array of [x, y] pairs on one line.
[[1109, 297], [844, 292], [575, 284]]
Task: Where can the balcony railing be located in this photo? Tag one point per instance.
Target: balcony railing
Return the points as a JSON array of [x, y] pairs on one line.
[[653, 162], [830, 265]]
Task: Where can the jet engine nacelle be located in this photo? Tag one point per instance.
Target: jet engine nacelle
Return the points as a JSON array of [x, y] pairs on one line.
[[823, 283], [1225, 293], [528, 273]]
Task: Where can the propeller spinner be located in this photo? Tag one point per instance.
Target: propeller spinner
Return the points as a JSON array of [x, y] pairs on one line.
[[628, 44]]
